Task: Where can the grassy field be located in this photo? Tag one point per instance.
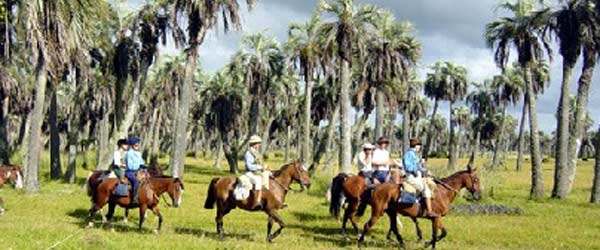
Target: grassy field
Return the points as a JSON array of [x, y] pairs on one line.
[[55, 217]]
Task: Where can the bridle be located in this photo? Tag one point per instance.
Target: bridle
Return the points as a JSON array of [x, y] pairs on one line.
[[290, 187]]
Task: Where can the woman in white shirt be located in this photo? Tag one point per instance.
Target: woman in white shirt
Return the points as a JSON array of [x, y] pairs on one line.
[[381, 160], [365, 159]]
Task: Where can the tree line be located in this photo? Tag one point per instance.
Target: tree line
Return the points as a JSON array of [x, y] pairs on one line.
[[79, 76]]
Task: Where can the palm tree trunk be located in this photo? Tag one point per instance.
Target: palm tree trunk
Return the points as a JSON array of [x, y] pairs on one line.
[[595, 197], [345, 125], [459, 136], [405, 127], [428, 145], [537, 181], [589, 63], [326, 144], [181, 118], [231, 153], [304, 154], [4, 145], [475, 149], [265, 135], [55, 168], [35, 129], [288, 138], [453, 158], [499, 139], [559, 189], [521, 140], [380, 113], [72, 138], [219, 153]]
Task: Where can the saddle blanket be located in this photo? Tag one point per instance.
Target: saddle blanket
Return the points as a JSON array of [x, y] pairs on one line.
[[410, 195]]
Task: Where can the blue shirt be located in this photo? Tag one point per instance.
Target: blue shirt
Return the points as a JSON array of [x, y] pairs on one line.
[[250, 162], [411, 161], [134, 160]]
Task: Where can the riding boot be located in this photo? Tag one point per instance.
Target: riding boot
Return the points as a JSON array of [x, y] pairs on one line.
[[256, 204], [430, 213], [134, 195]]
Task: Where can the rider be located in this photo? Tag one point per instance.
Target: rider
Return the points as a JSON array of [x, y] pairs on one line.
[[414, 174], [134, 161], [381, 159], [118, 164], [254, 168], [365, 159]]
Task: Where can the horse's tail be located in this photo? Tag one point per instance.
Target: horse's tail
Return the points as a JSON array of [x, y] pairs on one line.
[[88, 186], [212, 193], [337, 194]]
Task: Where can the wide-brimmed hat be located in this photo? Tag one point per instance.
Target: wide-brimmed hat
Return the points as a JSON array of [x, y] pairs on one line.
[[414, 142], [383, 139], [368, 146], [254, 139]]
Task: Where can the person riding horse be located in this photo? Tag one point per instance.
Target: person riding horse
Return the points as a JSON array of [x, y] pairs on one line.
[[365, 161], [414, 174], [118, 164], [135, 162], [381, 160], [254, 169]]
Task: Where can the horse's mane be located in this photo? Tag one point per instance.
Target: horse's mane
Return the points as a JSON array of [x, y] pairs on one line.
[[453, 176], [277, 173]]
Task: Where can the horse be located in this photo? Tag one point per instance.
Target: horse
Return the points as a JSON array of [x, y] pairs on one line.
[[95, 178], [220, 191], [385, 199], [13, 174], [350, 189], [148, 192]]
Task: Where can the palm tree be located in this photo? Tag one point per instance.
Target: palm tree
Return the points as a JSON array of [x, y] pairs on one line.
[[392, 53], [341, 38], [463, 120], [576, 27], [434, 91], [595, 197], [525, 31], [482, 104], [304, 50], [201, 16], [455, 91], [508, 88]]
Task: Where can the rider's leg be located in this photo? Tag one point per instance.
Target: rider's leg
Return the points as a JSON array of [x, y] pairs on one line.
[[427, 196], [257, 181], [131, 176]]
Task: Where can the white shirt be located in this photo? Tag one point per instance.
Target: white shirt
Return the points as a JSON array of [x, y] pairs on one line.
[[381, 156], [363, 165], [118, 158]]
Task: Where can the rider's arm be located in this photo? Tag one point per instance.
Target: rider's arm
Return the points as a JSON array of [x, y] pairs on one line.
[[117, 159], [410, 162], [250, 162]]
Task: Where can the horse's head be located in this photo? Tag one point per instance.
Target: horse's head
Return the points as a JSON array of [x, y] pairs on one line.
[[300, 174], [13, 173], [472, 183], [175, 191]]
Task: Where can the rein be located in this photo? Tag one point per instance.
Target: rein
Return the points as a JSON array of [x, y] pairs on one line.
[[445, 185], [280, 184]]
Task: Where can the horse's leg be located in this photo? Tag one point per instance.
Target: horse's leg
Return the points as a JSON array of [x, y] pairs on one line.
[[273, 214], [160, 217], [443, 229], [109, 215], [434, 229], [419, 232], [394, 227], [374, 218], [94, 208], [219, 219], [269, 227], [353, 208], [126, 218], [143, 208]]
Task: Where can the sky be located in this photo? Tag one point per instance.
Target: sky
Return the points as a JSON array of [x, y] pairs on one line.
[[449, 30]]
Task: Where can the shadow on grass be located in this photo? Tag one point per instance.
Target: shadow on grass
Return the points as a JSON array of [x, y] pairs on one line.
[[351, 242], [303, 216], [198, 232]]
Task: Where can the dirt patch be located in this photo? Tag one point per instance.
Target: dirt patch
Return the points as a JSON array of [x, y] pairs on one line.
[[487, 209]]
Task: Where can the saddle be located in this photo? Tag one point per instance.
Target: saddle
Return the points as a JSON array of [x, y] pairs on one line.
[[410, 195], [244, 185]]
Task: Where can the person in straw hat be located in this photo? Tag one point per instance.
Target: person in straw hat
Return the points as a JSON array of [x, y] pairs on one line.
[[365, 159], [414, 174], [254, 168], [381, 160]]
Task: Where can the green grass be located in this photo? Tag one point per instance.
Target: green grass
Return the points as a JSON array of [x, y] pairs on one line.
[[57, 214]]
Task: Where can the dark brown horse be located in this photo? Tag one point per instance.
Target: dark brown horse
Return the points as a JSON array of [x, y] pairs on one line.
[[11, 173], [350, 189], [385, 199], [220, 191], [149, 191]]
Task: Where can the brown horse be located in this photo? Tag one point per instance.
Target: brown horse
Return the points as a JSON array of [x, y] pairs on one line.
[[13, 174], [350, 189], [221, 189], [385, 199], [148, 192]]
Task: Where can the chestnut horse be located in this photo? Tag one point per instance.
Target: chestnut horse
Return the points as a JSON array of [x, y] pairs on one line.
[[13, 174], [385, 199], [220, 191], [148, 192], [350, 189]]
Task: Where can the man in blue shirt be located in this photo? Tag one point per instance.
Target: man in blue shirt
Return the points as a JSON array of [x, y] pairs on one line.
[[254, 168], [135, 162], [414, 174]]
